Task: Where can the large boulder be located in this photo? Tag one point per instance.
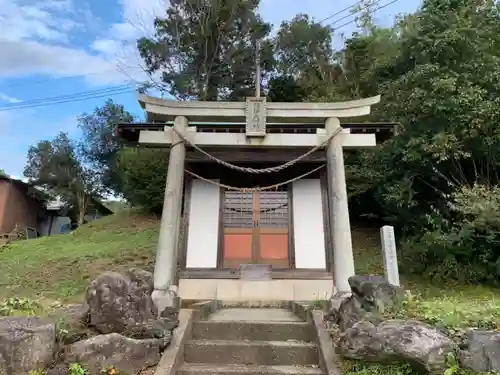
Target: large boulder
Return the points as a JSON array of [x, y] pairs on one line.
[[371, 296], [481, 351], [26, 343], [397, 341], [123, 353], [120, 301]]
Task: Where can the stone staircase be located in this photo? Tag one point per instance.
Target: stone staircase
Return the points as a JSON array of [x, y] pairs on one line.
[[250, 347]]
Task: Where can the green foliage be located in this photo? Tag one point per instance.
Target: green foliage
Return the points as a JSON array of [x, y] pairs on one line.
[[303, 49], [19, 306], [100, 143], [470, 237], [359, 368], [206, 50], [143, 177], [76, 369], [57, 166], [37, 372], [455, 312], [61, 267]]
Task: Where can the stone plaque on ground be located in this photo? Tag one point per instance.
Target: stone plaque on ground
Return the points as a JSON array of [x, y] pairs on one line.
[[255, 272]]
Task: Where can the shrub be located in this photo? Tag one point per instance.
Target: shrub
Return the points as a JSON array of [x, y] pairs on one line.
[[465, 248]]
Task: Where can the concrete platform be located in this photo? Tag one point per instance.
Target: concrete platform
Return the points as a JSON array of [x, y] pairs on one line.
[[250, 290], [254, 315]]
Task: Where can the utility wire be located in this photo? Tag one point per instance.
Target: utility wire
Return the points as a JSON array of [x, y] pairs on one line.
[[69, 98], [340, 11], [354, 13], [371, 12]]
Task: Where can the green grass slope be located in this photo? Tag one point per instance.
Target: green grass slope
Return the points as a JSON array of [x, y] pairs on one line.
[[60, 267]]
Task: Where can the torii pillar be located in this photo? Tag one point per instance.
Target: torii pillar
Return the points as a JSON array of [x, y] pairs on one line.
[[165, 293], [343, 257]]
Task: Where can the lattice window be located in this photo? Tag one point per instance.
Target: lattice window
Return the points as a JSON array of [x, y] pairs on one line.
[[273, 210], [267, 209], [238, 211]]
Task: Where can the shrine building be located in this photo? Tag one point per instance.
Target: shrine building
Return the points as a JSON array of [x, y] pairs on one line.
[[254, 183]]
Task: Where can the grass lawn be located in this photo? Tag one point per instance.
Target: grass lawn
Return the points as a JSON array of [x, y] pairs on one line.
[[448, 305], [60, 267]]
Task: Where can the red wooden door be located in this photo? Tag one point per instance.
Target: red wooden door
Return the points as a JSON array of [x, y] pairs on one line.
[[256, 229]]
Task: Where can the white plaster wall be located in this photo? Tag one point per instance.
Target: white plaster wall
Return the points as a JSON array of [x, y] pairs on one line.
[[203, 229], [308, 224]]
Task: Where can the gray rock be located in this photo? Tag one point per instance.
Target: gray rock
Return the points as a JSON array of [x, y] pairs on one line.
[[375, 292], [397, 341], [119, 301], [481, 351], [371, 296], [125, 354], [75, 312], [26, 343]]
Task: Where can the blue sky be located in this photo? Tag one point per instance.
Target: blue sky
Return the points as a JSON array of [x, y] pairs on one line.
[[52, 48]]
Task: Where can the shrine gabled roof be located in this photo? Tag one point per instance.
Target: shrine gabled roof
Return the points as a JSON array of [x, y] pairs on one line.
[[382, 130]]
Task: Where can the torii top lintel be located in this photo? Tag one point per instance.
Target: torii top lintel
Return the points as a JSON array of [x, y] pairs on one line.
[[255, 112]]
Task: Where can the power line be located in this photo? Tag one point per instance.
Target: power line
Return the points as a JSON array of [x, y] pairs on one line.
[[371, 12], [340, 11], [354, 13], [70, 98], [67, 96]]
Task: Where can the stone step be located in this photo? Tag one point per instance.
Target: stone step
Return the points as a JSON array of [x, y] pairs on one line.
[[251, 352], [262, 331], [214, 369]]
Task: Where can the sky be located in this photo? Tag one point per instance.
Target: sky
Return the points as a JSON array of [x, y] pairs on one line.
[[54, 48]]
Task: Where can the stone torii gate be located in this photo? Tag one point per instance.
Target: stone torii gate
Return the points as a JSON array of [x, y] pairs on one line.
[[256, 113]]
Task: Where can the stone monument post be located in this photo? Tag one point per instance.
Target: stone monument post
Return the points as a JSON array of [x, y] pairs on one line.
[[388, 239]]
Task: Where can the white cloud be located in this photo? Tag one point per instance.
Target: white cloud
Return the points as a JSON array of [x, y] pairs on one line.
[[26, 57], [36, 37], [9, 99], [119, 42], [45, 20]]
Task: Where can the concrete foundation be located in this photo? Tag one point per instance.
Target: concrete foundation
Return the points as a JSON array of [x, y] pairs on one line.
[[243, 290]]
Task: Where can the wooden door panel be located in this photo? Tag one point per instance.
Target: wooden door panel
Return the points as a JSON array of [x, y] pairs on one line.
[[238, 223], [256, 229], [273, 230], [274, 246], [237, 244]]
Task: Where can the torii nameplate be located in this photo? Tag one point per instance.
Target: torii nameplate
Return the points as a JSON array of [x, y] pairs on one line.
[[255, 112]]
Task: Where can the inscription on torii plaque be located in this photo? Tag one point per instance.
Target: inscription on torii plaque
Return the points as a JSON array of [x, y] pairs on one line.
[[255, 113]]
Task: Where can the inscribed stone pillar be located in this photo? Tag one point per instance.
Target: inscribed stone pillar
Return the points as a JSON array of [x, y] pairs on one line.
[[343, 258], [165, 288], [391, 269]]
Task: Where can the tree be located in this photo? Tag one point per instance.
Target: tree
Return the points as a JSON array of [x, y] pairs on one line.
[[100, 144], [205, 50], [304, 51], [442, 84], [56, 166], [143, 176]]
